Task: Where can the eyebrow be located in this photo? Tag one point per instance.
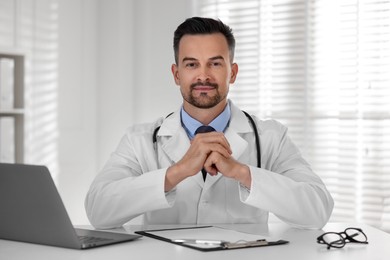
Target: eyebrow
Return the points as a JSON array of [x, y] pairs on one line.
[[188, 59], [219, 57]]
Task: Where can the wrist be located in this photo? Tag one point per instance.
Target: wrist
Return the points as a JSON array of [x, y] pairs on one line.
[[244, 176], [173, 176]]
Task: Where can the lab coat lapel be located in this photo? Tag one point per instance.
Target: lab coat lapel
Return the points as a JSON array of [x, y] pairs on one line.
[[176, 145], [238, 127]]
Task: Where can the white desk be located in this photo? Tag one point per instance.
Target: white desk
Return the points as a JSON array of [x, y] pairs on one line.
[[302, 245]]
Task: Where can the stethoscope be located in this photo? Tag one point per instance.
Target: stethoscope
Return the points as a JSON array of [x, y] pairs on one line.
[[254, 130]]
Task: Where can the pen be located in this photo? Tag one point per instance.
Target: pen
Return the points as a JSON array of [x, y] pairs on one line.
[[200, 241]]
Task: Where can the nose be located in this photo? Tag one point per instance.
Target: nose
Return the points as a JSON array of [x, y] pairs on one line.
[[204, 74]]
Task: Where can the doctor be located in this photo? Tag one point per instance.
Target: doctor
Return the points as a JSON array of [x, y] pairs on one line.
[[163, 180]]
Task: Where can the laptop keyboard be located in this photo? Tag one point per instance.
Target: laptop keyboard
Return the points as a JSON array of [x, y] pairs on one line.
[[92, 240]]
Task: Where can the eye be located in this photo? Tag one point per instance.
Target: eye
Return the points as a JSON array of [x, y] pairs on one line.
[[191, 65], [216, 64]]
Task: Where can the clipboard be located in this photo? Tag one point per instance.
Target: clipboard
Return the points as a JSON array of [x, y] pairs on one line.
[[209, 238]]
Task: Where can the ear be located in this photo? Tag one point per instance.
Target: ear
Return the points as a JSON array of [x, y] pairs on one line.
[[233, 73], [175, 73]]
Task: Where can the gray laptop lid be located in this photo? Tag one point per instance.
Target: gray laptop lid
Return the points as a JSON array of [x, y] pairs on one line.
[[32, 210]]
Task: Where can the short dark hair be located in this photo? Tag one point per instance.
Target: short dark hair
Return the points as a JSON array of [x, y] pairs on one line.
[[201, 25]]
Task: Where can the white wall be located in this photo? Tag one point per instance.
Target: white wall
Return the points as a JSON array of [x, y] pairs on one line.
[[77, 97], [156, 93], [114, 70], [136, 53], [115, 73]]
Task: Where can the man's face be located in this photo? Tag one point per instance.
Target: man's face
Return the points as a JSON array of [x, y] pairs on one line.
[[204, 70]]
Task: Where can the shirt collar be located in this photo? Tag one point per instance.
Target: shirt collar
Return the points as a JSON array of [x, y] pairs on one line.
[[220, 123]]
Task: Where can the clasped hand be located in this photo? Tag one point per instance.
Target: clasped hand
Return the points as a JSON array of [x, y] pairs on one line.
[[212, 152]]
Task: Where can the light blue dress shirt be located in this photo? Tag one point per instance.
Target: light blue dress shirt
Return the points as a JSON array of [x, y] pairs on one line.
[[220, 123]]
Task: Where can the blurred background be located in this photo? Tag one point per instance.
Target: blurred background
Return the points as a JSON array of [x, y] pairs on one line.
[[74, 74]]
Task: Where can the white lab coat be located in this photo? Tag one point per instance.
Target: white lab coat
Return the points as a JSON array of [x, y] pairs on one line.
[[132, 181]]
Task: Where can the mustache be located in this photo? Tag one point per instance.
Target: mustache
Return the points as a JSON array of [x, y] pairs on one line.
[[203, 84]]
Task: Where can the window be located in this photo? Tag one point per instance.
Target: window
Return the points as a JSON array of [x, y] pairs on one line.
[[30, 28], [321, 67]]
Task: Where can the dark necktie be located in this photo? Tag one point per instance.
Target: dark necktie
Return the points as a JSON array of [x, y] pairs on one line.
[[204, 129]]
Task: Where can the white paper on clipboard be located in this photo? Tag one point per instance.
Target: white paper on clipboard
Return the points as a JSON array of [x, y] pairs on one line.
[[207, 233]]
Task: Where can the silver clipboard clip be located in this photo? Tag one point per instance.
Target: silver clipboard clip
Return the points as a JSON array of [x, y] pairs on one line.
[[243, 244]]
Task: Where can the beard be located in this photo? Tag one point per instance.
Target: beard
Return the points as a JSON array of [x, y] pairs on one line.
[[203, 101]]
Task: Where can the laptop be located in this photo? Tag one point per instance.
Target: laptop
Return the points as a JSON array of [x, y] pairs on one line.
[[32, 211]]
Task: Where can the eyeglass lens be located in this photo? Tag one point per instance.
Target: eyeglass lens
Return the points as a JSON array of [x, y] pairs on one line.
[[338, 240], [355, 235], [334, 239]]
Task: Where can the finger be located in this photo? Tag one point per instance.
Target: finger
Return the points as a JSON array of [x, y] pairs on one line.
[[212, 170], [198, 153], [201, 150], [219, 138], [212, 163], [212, 137], [207, 149]]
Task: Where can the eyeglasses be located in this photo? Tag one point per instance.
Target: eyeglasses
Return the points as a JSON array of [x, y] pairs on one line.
[[338, 240]]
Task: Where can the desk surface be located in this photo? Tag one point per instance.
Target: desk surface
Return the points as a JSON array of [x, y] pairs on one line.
[[302, 245]]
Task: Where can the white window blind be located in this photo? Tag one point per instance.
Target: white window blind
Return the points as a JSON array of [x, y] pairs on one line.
[[31, 27], [321, 67]]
